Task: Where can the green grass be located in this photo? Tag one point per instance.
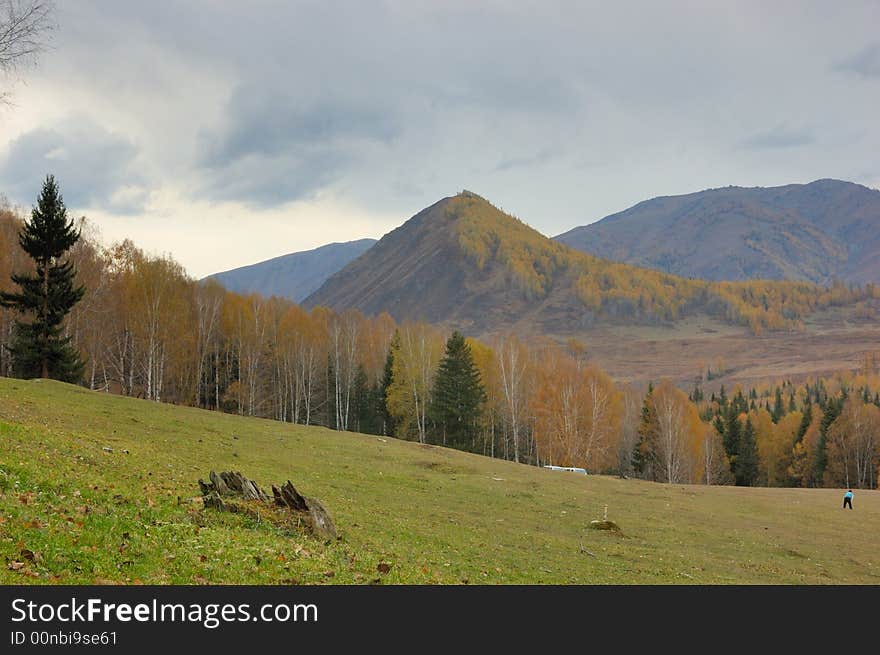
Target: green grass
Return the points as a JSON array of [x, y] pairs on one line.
[[72, 513]]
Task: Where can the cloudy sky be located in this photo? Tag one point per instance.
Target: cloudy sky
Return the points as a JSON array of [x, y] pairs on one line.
[[225, 133]]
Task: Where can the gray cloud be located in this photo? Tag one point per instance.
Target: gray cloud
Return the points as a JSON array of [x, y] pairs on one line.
[[274, 147], [264, 122], [528, 161], [780, 137], [269, 181], [94, 167], [562, 112], [866, 62]]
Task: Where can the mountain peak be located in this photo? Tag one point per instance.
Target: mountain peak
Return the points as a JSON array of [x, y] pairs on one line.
[[819, 232], [464, 263]]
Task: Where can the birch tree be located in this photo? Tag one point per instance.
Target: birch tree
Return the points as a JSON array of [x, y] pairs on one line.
[[513, 364], [208, 299], [853, 447], [415, 362], [679, 433]]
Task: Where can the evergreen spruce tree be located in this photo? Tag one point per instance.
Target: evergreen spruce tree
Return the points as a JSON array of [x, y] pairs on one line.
[[833, 408], [739, 403], [38, 347], [805, 423], [364, 416], [746, 467], [832, 411], [820, 462], [458, 395], [778, 408], [731, 434], [644, 455]]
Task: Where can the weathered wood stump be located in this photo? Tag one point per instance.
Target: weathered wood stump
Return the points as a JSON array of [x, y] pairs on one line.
[[229, 484], [230, 491], [319, 520]]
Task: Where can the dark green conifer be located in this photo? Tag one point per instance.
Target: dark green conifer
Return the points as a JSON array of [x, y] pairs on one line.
[[833, 408], [732, 433], [778, 408], [644, 457], [805, 422], [38, 346], [458, 395], [746, 467]]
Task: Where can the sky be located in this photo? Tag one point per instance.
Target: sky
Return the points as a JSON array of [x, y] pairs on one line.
[[226, 133]]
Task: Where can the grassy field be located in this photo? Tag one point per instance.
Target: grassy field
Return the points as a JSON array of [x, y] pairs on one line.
[[72, 513]]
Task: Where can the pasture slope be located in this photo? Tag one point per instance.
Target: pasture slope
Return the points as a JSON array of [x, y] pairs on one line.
[[70, 512]]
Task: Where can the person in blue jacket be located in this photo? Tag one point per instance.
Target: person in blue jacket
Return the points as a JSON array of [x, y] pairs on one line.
[[847, 499]]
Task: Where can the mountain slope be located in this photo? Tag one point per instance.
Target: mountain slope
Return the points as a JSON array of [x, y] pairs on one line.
[[442, 266], [296, 275], [464, 262], [817, 232]]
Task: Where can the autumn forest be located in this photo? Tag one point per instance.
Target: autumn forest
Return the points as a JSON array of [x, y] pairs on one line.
[[144, 328]]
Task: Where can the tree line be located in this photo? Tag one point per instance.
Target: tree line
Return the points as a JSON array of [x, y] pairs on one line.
[[822, 432], [139, 326]]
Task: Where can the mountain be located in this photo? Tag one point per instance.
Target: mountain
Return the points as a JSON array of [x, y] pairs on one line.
[[435, 267], [817, 232], [296, 275], [464, 262]]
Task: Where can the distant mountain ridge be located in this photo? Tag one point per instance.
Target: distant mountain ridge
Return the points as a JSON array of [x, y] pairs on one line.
[[294, 276], [463, 262], [818, 232]]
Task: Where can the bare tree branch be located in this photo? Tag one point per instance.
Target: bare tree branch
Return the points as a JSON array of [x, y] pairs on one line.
[[24, 30], [25, 27]]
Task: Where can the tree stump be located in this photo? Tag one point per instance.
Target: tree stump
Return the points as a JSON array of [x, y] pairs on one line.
[[230, 491], [318, 520]]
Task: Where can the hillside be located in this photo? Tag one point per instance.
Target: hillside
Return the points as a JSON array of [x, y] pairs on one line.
[[816, 232], [293, 276], [73, 513], [464, 262], [423, 270]]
